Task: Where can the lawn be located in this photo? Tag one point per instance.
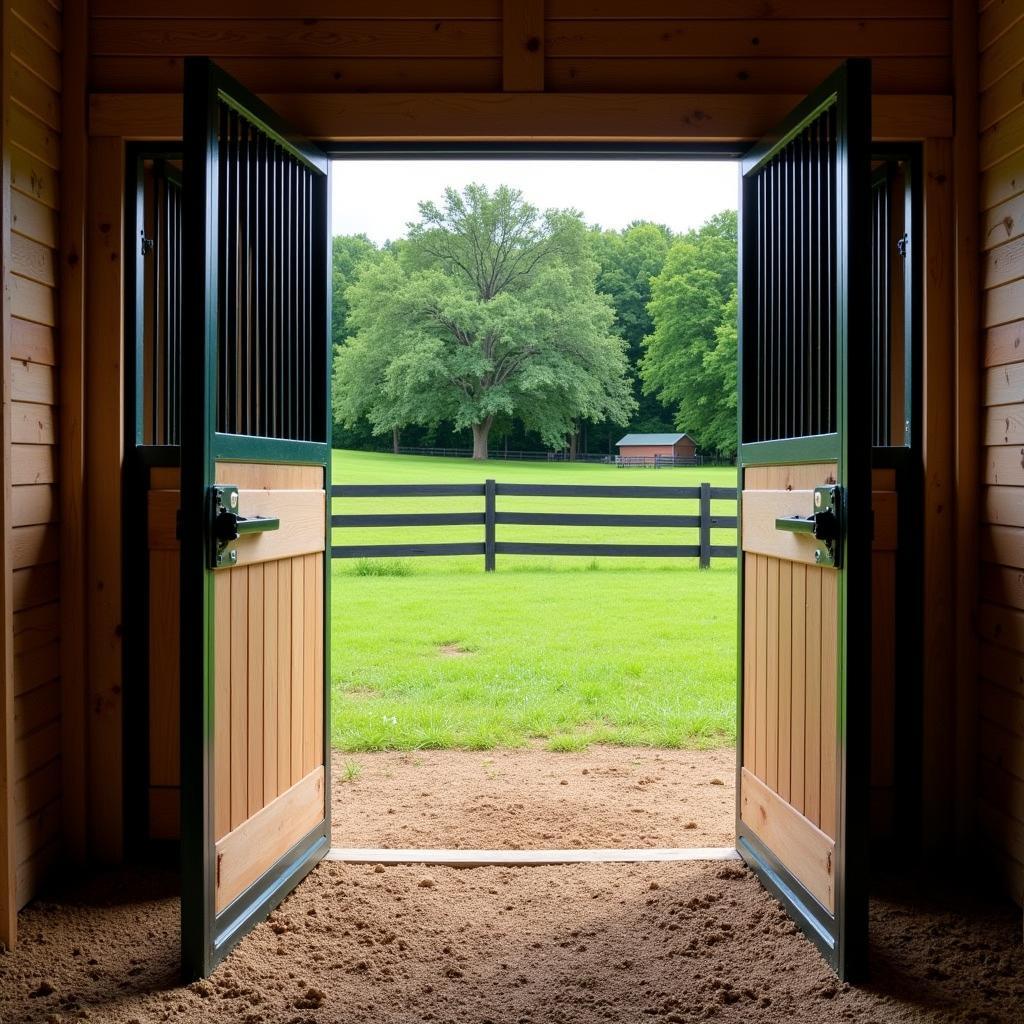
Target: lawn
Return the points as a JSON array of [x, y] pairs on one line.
[[433, 652]]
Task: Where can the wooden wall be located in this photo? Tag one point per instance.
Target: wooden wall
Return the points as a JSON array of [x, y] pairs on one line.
[[1000, 615], [719, 46], [32, 154]]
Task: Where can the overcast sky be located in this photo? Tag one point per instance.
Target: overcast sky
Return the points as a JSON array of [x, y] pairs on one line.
[[378, 197]]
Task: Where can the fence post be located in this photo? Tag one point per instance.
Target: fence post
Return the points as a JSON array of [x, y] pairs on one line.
[[705, 526], [489, 491]]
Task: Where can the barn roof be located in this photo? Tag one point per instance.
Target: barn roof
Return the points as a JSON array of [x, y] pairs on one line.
[[650, 439]]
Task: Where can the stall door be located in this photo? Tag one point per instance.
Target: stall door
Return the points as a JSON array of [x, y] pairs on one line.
[[804, 463], [253, 524]]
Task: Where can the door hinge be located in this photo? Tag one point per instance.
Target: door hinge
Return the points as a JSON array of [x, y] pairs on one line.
[[903, 245], [146, 245]]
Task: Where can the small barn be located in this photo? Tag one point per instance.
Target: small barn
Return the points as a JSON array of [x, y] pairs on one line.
[[656, 449]]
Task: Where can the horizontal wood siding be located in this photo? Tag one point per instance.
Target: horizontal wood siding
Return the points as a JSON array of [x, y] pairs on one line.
[[741, 46], [1000, 615], [33, 136]]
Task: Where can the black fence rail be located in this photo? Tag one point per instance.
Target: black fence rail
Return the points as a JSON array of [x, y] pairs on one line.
[[490, 518], [501, 455]]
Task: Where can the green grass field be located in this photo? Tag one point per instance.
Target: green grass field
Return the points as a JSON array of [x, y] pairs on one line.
[[433, 652]]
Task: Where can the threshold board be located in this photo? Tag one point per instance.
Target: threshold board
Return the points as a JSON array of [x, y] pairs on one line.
[[482, 858]]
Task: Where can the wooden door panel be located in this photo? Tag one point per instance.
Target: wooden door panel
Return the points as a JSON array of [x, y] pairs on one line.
[[272, 707]]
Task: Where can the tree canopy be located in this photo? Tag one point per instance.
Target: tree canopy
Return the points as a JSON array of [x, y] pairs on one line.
[[489, 309], [689, 359]]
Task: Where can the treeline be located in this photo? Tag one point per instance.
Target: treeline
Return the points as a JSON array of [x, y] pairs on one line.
[[493, 324]]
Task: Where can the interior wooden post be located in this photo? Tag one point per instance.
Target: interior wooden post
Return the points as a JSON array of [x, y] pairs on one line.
[[104, 453], [938, 713], [74, 154], [8, 886]]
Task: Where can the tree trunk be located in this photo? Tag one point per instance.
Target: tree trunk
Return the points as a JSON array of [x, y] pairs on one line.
[[574, 445], [396, 439], [481, 432]]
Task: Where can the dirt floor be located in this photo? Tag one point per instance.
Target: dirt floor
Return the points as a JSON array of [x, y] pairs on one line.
[[535, 799], [625, 943]]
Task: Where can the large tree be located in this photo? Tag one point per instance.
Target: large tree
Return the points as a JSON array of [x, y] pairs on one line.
[[348, 253], [629, 260], [488, 310], [690, 356]]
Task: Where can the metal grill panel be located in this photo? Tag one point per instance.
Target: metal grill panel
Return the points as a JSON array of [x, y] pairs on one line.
[[271, 375], [790, 381]]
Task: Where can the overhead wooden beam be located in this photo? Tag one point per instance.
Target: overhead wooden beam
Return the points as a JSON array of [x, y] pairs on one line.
[[522, 117], [522, 46]]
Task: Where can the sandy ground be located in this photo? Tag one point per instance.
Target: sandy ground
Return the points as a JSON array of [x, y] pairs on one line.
[[581, 943], [535, 799]]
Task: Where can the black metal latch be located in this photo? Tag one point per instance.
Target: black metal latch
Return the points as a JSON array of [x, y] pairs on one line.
[[824, 525], [228, 525]]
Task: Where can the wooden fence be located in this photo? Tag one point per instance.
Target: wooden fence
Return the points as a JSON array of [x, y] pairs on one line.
[[490, 518]]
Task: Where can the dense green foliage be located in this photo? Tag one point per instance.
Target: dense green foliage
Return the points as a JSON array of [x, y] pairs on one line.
[[489, 309], [418, 360], [690, 356], [433, 652]]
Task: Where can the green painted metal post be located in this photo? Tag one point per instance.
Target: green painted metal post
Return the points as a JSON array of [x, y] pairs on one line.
[[705, 526], [489, 492]]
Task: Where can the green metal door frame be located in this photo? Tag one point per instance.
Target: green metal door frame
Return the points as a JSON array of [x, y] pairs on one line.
[[842, 936], [207, 936]]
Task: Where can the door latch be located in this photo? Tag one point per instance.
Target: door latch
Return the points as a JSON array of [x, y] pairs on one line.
[[228, 525], [824, 525]]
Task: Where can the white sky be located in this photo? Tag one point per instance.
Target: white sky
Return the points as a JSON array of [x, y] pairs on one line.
[[378, 197]]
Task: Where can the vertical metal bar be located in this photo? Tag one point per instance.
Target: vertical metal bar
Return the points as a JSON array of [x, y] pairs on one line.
[[489, 520], [244, 262], [705, 525]]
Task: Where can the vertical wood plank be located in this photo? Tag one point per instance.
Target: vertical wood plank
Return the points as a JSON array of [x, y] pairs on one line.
[[522, 46], [71, 453], [829, 681], [103, 465], [297, 684], [318, 663], [270, 670], [284, 676], [254, 680], [309, 624], [749, 658], [785, 676], [772, 726], [222, 704], [798, 702], [239, 633], [812, 712], [760, 722]]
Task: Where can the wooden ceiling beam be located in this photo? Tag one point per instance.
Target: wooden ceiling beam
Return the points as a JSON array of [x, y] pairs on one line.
[[521, 116], [522, 46]]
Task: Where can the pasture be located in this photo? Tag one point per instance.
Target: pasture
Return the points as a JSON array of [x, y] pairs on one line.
[[567, 651]]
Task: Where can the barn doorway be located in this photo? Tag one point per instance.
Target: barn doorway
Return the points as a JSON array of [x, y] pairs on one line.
[[883, 325]]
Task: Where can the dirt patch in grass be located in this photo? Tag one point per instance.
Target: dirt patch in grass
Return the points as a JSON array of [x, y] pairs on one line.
[[453, 651], [535, 799], [666, 943]]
